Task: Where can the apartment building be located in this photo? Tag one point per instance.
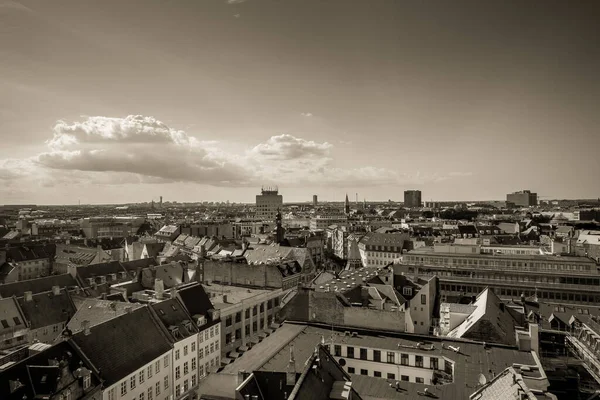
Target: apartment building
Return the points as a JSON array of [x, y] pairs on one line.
[[464, 270], [132, 354], [268, 202], [381, 249], [321, 222], [246, 315]]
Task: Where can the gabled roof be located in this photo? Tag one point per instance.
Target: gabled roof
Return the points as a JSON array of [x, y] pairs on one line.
[[97, 311], [97, 270], [175, 319], [139, 264], [29, 253], [46, 309], [11, 316], [153, 249], [196, 300], [37, 285], [124, 344], [35, 376]]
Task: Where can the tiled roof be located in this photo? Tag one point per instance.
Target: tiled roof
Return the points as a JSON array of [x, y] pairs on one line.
[[139, 264], [97, 311], [97, 270], [177, 322], [195, 300], [30, 373], [28, 253], [124, 344], [37, 285], [48, 309]]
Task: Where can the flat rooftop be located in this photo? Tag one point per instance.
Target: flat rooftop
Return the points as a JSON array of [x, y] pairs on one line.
[[428, 250], [473, 359], [235, 294]]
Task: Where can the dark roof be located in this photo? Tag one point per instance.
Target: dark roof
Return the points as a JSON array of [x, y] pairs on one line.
[[123, 345], [46, 308], [102, 269], [37, 285], [30, 372], [175, 319], [141, 263], [154, 248], [97, 311], [27, 253], [466, 229], [196, 300]]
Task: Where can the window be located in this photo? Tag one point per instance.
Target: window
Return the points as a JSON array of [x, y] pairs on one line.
[[391, 357], [206, 350], [150, 372], [166, 361], [391, 376], [206, 335], [419, 361], [185, 351], [193, 347], [433, 363], [177, 390], [185, 385], [423, 299], [247, 313], [216, 329], [123, 388], [132, 381], [157, 367], [404, 359], [193, 364], [238, 317], [228, 338], [216, 346], [142, 376], [337, 350], [377, 355], [87, 381], [350, 370], [157, 389], [363, 354], [407, 291], [186, 368], [177, 355], [404, 378], [200, 337], [228, 321], [201, 353], [166, 382], [419, 380], [111, 394], [193, 380], [142, 395], [201, 370], [212, 331], [177, 372], [364, 372], [150, 393], [350, 352]]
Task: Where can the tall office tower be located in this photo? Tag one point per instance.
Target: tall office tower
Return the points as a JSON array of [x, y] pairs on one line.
[[315, 202], [268, 202], [522, 199], [412, 198]]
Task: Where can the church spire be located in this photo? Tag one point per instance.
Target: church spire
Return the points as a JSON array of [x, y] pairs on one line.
[[347, 205]]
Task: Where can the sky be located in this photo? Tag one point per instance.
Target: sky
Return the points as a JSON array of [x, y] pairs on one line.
[[120, 101]]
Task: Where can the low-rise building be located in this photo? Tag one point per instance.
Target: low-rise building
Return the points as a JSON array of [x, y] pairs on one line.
[[14, 329], [381, 249]]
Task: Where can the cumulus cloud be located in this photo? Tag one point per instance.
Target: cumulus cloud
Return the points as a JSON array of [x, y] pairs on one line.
[[306, 114], [235, 1], [143, 150], [288, 147]]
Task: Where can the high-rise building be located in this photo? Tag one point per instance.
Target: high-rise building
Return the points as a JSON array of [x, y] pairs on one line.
[[412, 198], [524, 198], [267, 203], [315, 202]]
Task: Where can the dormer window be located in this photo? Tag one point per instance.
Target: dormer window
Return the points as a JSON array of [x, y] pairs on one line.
[[407, 291]]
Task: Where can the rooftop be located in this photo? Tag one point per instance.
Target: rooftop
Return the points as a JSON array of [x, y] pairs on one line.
[[234, 294]]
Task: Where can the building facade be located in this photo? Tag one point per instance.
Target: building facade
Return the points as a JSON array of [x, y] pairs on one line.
[[267, 204], [412, 198], [524, 198]]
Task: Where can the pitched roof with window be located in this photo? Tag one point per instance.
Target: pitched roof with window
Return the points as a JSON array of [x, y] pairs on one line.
[[175, 319]]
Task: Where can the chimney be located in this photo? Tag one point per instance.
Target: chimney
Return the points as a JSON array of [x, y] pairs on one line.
[[28, 296], [56, 290], [173, 293], [85, 325], [159, 288], [241, 376], [535, 338]]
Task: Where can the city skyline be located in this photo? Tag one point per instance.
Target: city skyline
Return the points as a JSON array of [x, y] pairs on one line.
[[116, 102]]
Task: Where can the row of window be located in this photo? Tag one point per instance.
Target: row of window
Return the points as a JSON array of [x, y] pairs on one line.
[[208, 350], [255, 311], [230, 338], [208, 333], [111, 393], [390, 357], [377, 374], [503, 263]]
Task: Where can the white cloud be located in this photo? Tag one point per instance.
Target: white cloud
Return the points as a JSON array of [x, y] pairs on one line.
[[306, 114], [144, 150], [235, 1]]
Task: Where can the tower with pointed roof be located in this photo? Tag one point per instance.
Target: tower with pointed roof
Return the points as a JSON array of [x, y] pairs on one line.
[[354, 259], [279, 230], [347, 205]]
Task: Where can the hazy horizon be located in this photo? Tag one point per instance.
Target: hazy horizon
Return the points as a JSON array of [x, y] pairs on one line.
[[207, 101]]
